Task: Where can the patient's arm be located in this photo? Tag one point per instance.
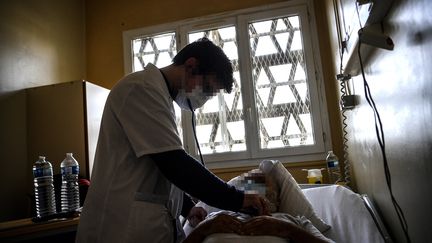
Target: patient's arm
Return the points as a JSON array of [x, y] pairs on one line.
[[267, 225], [260, 225]]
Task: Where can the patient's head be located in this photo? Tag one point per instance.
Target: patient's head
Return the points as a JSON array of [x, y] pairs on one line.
[[255, 181]]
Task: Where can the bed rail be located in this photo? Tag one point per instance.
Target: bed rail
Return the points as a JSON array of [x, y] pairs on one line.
[[376, 217]]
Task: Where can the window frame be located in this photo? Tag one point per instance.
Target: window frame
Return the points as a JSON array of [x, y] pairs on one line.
[[240, 19], [301, 12]]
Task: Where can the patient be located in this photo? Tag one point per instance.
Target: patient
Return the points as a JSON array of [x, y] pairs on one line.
[[255, 181], [283, 225]]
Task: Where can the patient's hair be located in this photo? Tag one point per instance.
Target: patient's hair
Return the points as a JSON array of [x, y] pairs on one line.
[[272, 189]]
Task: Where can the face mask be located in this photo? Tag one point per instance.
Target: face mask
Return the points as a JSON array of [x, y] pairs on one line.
[[196, 97]]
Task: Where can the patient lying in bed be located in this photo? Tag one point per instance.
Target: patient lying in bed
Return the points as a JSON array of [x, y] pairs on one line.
[[283, 225]]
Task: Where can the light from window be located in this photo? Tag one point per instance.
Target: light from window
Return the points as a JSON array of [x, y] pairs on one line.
[[220, 125], [158, 50], [281, 91]]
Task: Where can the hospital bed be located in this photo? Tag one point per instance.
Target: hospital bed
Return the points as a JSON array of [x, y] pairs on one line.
[[337, 212]]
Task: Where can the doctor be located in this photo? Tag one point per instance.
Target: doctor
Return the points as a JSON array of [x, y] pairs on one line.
[[141, 172]]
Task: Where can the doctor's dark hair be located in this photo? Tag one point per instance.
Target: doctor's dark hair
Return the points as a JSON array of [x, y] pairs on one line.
[[211, 58]]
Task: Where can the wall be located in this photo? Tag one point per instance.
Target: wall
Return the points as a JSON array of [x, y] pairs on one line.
[[331, 85], [41, 42], [401, 85]]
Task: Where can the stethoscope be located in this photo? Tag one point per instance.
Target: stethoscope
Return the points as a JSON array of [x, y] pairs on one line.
[[194, 131], [193, 117]]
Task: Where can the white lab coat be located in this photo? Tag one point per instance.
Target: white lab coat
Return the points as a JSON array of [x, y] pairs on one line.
[[129, 200]]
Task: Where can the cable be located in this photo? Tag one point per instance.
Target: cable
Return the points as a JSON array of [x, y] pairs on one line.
[[347, 165], [339, 34], [380, 136], [343, 90]]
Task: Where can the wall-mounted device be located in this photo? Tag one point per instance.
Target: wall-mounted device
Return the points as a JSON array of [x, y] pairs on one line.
[[361, 20], [348, 100], [368, 35]]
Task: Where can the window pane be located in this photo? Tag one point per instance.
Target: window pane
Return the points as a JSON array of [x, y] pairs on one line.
[[158, 50], [220, 125], [280, 83]]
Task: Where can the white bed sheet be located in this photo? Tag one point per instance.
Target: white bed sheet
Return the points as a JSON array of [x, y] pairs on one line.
[[346, 212]]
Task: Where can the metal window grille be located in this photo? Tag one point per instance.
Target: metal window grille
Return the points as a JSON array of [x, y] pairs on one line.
[[220, 123], [280, 83], [158, 50]]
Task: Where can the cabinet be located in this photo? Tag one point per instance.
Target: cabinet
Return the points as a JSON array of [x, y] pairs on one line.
[[65, 118], [51, 121]]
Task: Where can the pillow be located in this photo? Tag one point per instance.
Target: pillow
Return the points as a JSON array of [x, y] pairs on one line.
[[292, 199]]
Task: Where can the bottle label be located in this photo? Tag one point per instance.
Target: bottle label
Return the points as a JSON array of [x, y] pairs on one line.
[[332, 164], [70, 170], [41, 172]]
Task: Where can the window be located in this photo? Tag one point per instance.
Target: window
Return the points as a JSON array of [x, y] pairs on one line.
[[277, 108]]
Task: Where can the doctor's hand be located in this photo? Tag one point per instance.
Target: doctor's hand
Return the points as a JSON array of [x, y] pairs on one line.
[[196, 215], [255, 205]]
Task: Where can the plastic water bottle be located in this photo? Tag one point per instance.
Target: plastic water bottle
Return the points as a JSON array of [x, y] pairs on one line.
[[70, 200], [333, 167], [44, 188]]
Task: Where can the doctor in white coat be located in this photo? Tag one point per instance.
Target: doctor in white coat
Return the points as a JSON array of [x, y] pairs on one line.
[[142, 178]]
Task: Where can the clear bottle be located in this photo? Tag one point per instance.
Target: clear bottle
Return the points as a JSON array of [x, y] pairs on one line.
[[44, 188], [333, 168], [70, 200]]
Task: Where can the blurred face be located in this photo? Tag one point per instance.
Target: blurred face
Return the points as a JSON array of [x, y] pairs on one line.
[[257, 182], [208, 82], [197, 89]]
